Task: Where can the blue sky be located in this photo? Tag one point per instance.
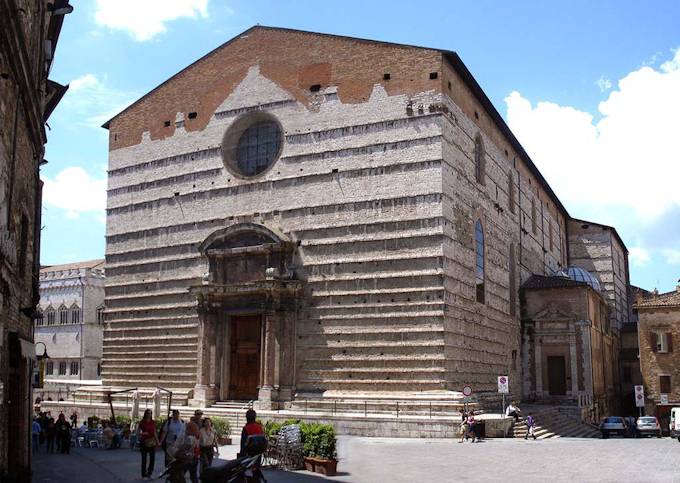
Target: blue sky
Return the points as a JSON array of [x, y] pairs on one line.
[[591, 89]]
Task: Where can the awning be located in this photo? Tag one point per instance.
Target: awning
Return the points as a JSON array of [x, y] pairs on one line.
[[27, 349]]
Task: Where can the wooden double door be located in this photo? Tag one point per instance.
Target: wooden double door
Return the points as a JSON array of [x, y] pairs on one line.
[[244, 368]]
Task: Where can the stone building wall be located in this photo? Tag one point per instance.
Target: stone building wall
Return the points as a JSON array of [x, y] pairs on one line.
[[653, 363], [27, 34], [598, 249], [76, 287], [485, 339], [358, 186]]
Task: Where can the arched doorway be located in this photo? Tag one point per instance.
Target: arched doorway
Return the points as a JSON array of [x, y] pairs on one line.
[[247, 308]]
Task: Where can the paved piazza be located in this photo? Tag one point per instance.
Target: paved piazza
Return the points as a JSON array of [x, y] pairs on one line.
[[412, 460]]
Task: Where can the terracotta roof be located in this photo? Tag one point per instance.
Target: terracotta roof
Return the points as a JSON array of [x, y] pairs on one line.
[[540, 281], [99, 263], [668, 299]]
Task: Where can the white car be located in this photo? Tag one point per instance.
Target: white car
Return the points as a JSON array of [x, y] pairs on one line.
[[648, 425]]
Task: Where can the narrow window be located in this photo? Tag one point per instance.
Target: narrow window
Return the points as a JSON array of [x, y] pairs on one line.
[[550, 234], [63, 315], [511, 192], [39, 320], [534, 221], [75, 314], [99, 369], [662, 342], [51, 316], [49, 368], [100, 315], [665, 384], [479, 159], [75, 368], [62, 368], [512, 284], [479, 261]]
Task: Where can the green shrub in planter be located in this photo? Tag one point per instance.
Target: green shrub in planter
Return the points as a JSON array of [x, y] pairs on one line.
[[318, 440], [221, 427]]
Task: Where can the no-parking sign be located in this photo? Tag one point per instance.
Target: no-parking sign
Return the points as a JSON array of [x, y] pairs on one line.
[[639, 396], [503, 385]]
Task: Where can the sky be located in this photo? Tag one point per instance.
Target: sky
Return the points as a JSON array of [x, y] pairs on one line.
[[590, 89]]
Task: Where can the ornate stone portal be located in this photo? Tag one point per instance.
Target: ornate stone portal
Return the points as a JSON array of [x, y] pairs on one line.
[[247, 306]]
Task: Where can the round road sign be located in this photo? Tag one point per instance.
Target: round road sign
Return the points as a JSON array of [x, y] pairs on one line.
[[467, 391]]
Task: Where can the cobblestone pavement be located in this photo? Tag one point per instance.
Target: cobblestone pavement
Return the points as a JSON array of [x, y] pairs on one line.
[[372, 460]]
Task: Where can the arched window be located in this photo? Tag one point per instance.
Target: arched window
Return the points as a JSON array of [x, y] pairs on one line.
[[51, 315], [75, 314], [479, 159], [39, 319], [479, 261], [63, 315]]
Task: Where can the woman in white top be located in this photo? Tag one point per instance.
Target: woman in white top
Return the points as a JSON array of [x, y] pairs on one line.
[[207, 443]]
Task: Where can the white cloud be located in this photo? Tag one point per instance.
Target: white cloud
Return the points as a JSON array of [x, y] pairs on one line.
[[638, 256], [144, 19], [90, 102], [628, 159], [76, 192], [672, 256], [603, 83]]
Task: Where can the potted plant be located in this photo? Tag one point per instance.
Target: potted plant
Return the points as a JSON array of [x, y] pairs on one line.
[[222, 431], [319, 448]]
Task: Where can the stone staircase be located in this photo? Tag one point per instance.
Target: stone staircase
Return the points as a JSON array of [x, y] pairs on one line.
[[553, 422]]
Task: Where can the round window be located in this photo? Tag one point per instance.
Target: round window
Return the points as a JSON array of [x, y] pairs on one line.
[[252, 144]]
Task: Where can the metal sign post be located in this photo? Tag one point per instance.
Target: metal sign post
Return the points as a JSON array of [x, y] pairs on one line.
[[467, 392], [639, 394], [503, 388]]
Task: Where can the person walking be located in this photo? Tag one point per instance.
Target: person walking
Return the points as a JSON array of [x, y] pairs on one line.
[[36, 430], [207, 443], [63, 433], [50, 434], [172, 429], [472, 426], [531, 427], [463, 429], [146, 433]]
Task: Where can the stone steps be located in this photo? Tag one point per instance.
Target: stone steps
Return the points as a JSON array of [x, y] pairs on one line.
[[552, 423]]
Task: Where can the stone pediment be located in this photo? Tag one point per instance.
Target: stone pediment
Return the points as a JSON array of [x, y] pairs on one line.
[[553, 312]]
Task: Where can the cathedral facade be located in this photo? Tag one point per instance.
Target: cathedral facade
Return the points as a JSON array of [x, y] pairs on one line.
[[301, 215]]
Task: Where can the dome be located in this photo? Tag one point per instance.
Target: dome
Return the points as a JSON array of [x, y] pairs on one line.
[[581, 275]]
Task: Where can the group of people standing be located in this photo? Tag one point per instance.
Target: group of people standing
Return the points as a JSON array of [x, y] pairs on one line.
[[46, 430], [470, 427], [195, 439]]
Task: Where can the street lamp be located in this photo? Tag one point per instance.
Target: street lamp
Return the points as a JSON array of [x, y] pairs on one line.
[[39, 378]]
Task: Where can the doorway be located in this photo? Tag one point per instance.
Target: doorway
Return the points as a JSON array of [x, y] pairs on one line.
[[557, 376], [245, 336]]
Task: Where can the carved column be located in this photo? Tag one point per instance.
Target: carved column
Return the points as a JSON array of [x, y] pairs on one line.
[[287, 356], [205, 392], [267, 395]]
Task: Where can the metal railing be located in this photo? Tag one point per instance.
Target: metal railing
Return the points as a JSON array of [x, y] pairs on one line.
[[381, 407]]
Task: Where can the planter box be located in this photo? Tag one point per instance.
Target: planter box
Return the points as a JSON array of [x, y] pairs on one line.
[[321, 466], [309, 464], [223, 440]]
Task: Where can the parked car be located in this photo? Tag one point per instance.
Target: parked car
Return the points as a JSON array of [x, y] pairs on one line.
[[614, 424], [674, 425], [648, 426]]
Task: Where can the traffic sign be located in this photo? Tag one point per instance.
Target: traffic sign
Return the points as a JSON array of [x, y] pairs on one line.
[[639, 396], [663, 399], [503, 385], [467, 391]]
